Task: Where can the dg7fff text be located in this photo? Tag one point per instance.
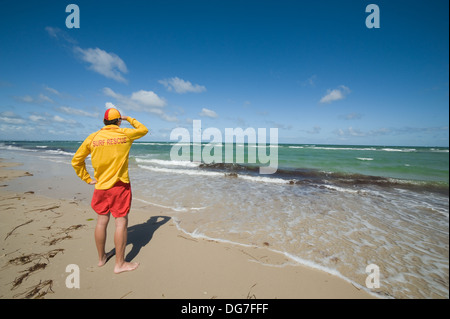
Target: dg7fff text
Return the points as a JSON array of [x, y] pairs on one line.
[[246, 308]]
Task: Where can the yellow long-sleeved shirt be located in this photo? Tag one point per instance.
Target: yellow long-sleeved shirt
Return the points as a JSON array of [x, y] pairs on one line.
[[109, 149]]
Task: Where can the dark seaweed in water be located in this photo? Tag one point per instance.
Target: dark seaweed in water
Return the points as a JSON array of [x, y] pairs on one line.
[[317, 177], [233, 167]]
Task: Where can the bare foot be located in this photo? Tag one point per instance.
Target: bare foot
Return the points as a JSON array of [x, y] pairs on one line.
[[105, 258], [125, 267]]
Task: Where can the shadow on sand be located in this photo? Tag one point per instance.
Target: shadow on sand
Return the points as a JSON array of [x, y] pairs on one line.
[[141, 234]]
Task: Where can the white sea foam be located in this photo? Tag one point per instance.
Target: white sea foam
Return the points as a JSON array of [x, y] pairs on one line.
[[15, 148], [334, 148], [167, 162], [263, 179], [56, 159], [59, 152], [180, 171], [438, 151], [331, 271], [365, 158], [263, 145], [399, 149], [343, 148], [193, 172], [341, 189], [198, 235], [176, 209]]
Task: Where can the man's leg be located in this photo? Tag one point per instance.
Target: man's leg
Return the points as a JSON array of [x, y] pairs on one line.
[[100, 238], [120, 241]]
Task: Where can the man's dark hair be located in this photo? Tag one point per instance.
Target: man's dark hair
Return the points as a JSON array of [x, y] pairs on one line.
[[111, 122]]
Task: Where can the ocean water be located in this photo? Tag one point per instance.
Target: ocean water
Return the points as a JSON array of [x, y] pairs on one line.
[[332, 207]]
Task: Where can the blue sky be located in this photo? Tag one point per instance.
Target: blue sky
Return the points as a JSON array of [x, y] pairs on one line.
[[312, 69]]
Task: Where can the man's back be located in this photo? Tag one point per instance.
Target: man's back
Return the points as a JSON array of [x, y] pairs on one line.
[[109, 149]]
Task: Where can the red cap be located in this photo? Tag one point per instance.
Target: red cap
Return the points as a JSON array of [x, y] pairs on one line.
[[112, 114]]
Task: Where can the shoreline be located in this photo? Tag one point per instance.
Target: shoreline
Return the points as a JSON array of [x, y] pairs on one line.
[[43, 235]]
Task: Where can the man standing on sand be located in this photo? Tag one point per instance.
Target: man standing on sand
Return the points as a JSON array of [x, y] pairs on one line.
[[109, 149]]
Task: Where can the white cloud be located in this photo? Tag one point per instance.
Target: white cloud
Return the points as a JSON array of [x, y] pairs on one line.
[[356, 132], [11, 118], [53, 32], [77, 112], [311, 81], [7, 114], [334, 95], [108, 64], [59, 119], [107, 91], [48, 119], [208, 113], [315, 130], [164, 116], [29, 99], [353, 116], [145, 101], [25, 98], [351, 132], [36, 118], [109, 105], [138, 101], [57, 33], [281, 126], [181, 86], [52, 90], [44, 98], [148, 98]]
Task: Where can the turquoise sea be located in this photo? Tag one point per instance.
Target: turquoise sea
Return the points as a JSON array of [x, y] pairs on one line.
[[338, 208]]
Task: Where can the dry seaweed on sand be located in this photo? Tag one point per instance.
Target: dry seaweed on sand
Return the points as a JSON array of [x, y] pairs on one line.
[[38, 291], [73, 227], [42, 288], [27, 272], [25, 259], [10, 233], [251, 296], [54, 241], [44, 209], [65, 231]]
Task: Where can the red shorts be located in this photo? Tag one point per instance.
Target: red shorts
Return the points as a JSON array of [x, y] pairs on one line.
[[116, 200]]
